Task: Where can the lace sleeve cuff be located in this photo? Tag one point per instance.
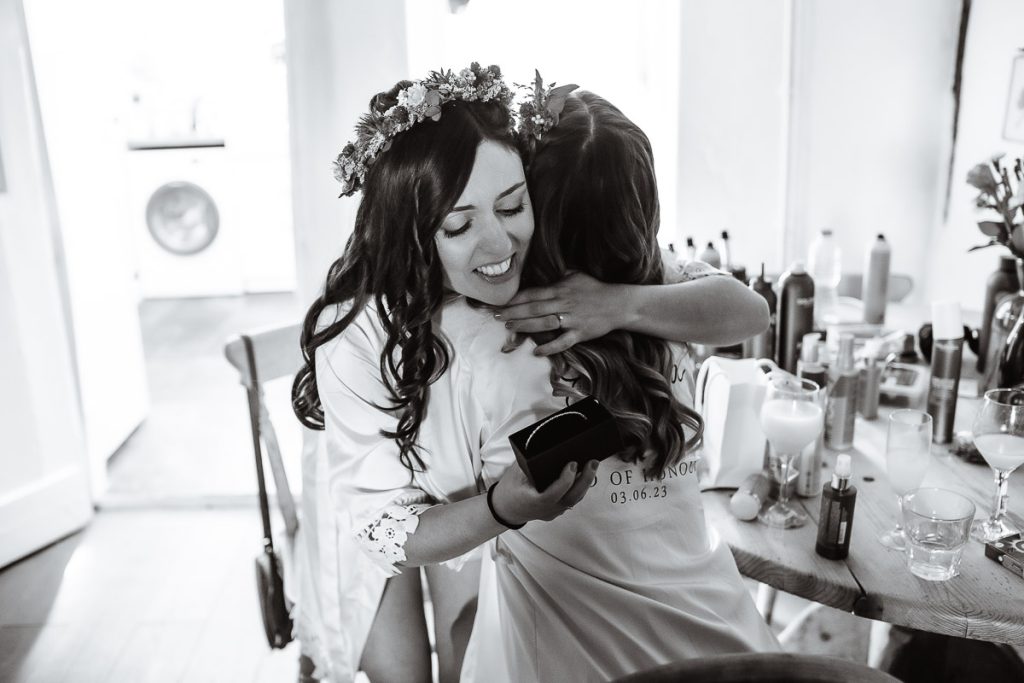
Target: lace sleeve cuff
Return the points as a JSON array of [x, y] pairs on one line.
[[384, 538]]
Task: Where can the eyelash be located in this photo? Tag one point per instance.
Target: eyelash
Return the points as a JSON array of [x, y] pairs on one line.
[[508, 213]]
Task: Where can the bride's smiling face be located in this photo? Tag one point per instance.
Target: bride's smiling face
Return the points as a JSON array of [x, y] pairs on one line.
[[483, 240]]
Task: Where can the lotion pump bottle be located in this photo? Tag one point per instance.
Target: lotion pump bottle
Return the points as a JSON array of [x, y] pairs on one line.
[[835, 523], [710, 256]]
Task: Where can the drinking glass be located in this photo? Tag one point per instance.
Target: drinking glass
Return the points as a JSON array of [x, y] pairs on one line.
[[791, 418], [999, 436], [907, 454], [938, 524]]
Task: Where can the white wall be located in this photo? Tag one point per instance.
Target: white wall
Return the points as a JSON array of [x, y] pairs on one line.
[[734, 95], [871, 117], [627, 52], [994, 38], [339, 54], [44, 489], [80, 80]]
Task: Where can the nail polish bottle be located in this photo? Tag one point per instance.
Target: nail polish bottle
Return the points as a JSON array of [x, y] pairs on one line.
[[835, 523]]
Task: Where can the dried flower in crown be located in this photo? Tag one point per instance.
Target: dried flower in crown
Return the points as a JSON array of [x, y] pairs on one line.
[[415, 103], [1001, 188], [540, 113]]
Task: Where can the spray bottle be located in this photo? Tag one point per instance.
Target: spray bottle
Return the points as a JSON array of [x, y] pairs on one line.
[[947, 354]]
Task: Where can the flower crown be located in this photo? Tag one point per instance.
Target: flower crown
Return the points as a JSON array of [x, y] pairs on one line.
[[416, 102], [541, 112]]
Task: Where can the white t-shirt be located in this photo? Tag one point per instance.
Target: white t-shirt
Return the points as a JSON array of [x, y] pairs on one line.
[[632, 577]]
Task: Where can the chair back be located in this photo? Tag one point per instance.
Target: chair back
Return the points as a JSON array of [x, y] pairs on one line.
[[762, 668], [899, 288], [261, 357]]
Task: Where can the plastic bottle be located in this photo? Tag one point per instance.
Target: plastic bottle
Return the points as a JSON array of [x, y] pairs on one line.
[[726, 252], [750, 496], [1002, 280], [825, 264], [691, 250], [808, 463], [796, 314], [763, 345], [835, 523], [947, 355], [843, 378], [710, 256], [875, 285]]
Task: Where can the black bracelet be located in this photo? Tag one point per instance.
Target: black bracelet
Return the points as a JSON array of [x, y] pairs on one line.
[[497, 517]]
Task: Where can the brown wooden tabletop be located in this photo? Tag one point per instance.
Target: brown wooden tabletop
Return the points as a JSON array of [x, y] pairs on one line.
[[984, 602]]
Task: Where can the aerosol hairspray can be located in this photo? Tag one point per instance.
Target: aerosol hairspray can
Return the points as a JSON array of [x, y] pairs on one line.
[[796, 314], [875, 285], [947, 353], [763, 345]]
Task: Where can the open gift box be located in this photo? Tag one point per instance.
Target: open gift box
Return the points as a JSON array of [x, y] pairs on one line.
[[582, 432]]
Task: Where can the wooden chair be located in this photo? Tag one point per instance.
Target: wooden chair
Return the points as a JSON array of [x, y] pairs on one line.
[[258, 358], [762, 668], [900, 286], [274, 354]]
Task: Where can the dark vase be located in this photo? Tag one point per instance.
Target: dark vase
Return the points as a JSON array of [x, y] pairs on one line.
[[1011, 358]]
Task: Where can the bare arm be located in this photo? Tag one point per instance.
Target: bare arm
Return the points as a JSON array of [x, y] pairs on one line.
[[716, 310], [447, 531]]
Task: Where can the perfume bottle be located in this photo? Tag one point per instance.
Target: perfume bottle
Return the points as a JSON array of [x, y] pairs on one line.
[[835, 524]]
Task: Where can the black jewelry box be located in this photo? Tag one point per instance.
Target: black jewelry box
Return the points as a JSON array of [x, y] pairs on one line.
[[1009, 552], [582, 432]]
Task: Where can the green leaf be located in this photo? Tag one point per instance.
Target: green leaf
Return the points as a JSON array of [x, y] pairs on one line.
[[993, 243], [991, 228], [981, 177], [558, 96]]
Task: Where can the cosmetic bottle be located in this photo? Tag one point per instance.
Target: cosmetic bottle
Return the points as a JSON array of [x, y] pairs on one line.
[[691, 250], [947, 354], [835, 523], [710, 256], [750, 496], [875, 284], [796, 314], [726, 252], [842, 397], [1002, 281], [763, 345], [824, 262], [808, 463]]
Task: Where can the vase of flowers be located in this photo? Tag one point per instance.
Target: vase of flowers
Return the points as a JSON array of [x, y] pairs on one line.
[[1000, 188]]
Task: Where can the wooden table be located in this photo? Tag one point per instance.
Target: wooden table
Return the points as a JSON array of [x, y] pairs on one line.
[[985, 601]]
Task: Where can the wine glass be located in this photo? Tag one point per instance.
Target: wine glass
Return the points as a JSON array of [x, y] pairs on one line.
[[907, 454], [791, 419], [999, 436]]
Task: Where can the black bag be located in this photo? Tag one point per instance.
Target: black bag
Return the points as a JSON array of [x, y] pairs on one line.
[[277, 621]]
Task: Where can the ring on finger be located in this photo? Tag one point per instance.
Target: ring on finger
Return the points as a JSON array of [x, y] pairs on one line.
[[561, 319]]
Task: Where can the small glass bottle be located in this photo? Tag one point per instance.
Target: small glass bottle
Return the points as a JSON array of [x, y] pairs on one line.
[[835, 524]]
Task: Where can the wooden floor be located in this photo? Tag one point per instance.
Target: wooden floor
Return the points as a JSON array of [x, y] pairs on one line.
[[195, 444], [138, 596]]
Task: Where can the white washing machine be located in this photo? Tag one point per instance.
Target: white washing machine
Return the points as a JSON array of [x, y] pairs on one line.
[[184, 218]]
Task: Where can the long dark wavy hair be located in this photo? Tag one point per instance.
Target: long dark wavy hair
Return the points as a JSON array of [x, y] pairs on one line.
[[591, 180], [391, 261]]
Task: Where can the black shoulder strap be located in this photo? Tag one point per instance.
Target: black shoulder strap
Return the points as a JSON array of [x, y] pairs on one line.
[[253, 390]]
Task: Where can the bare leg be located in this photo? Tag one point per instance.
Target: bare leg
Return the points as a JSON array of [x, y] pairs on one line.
[[398, 648], [453, 595]]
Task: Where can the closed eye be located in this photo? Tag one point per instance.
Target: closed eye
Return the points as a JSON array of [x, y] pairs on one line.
[[458, 231], [512, 212]]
